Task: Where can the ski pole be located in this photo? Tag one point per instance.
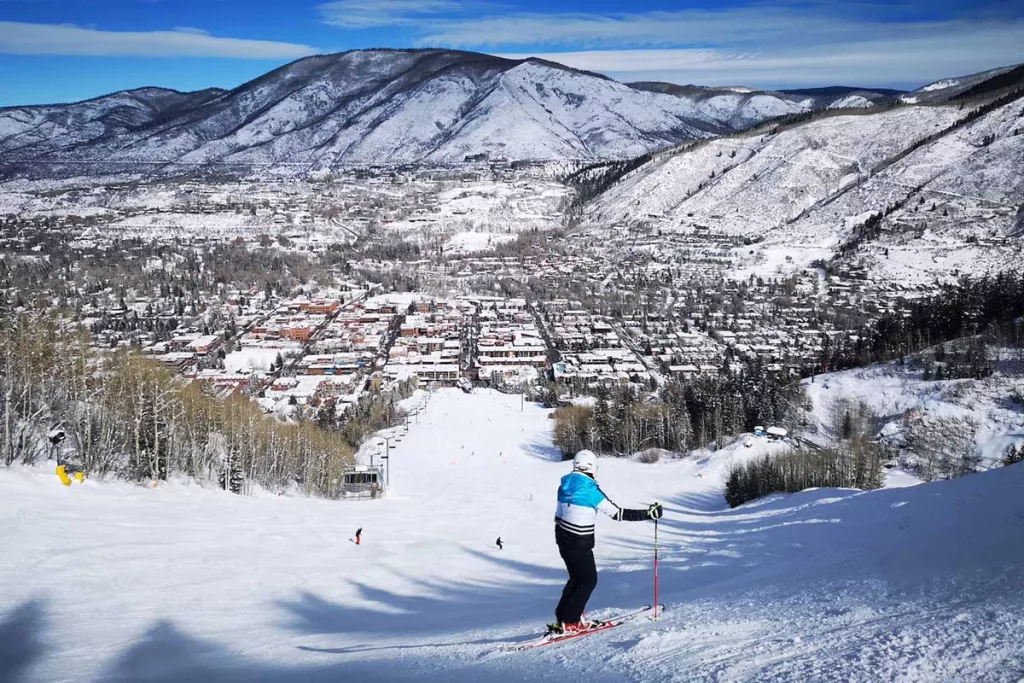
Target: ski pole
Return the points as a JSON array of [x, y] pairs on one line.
[[655, 569]]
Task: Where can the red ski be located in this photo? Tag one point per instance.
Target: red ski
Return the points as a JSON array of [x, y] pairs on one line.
[[606, 624]]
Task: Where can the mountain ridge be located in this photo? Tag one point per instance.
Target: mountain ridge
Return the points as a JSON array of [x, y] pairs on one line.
[[370, 107], [381, 107]]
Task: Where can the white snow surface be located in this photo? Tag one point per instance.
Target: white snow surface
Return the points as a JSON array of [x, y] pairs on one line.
[[114, 581], [250, 358], [940, 85], [851, 102]]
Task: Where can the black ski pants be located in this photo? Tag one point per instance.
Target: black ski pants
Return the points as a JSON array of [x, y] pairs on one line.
[[581, 583]]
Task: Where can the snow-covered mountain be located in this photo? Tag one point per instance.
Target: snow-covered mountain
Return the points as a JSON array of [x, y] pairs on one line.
[[392, 107], [371, 107], [944, 181], [742, 107], [36, 127], [842, 97], [949, 88]]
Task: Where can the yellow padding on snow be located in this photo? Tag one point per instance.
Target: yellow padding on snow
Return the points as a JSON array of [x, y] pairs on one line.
[[63, 475]]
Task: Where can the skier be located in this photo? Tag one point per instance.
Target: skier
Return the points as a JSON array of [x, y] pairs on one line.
[[579, 500], [499, 544], [359, 535]]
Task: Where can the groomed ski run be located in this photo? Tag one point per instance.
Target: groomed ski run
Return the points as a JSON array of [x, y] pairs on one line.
[[110, 581]]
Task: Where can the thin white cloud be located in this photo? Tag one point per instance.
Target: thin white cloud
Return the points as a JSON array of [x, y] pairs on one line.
[[377, 13], [22, 38], [766, 42], [754, 26], [916, 59], [191, 29]]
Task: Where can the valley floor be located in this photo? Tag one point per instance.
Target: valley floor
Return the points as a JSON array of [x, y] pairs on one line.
[[111, 581]]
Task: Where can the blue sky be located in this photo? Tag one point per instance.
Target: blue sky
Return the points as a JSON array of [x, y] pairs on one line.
[[66, 50]]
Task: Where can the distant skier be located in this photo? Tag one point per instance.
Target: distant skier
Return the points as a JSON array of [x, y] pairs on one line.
[[359, 535], [579, 500], [499, 543]]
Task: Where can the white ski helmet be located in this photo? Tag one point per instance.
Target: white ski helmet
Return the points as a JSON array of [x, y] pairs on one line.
[[585, 461]]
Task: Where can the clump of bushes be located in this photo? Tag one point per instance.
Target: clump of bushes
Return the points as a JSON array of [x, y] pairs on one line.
[[649, 456], [859, 466], [1014, 454]]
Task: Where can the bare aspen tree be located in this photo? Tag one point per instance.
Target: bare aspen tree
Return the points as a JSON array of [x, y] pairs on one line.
[[131, 417]]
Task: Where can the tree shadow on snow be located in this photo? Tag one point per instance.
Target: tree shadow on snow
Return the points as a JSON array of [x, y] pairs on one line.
[[703, 542], [783, 541], [543, 451], [20, 640], [432, 605], [470, 615], [777, 543], [165, 654], [699, 503]]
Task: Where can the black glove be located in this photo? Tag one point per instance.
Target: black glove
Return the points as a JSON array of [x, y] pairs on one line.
[[655, 511]]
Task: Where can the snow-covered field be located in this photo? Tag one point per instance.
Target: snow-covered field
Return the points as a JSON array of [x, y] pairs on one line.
[[251, 358], [111, 581]]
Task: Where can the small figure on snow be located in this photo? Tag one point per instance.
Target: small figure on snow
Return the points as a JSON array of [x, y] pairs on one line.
[[499, 543], [359, 535], [579, 500]]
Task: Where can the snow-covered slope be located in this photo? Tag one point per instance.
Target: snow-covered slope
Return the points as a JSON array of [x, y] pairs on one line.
[[381, 107], [929, 423], [51, 127], [752, 183], [372, 107], [843, 97], [738, 108], [947, 88], [110, 581], [803, 190], [743, 107]]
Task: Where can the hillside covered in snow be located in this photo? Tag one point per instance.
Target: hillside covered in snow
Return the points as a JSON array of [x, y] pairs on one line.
[[109, 581], [936, 427], [909, 192]]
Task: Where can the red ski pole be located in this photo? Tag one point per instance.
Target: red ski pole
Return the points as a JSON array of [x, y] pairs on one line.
[[655, 569]]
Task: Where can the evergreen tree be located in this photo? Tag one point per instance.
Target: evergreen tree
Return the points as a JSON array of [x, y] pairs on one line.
[[326, 415], [603, 438]]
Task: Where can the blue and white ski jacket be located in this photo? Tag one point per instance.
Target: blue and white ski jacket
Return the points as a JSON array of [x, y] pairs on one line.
[[579, 501]]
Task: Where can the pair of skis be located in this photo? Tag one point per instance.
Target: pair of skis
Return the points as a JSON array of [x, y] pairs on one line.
[[603, 625]]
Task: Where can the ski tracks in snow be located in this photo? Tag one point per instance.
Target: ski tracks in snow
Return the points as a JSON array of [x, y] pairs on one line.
[[859, 632]]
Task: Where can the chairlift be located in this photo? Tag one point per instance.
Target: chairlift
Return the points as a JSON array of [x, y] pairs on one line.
[[362, 482]]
